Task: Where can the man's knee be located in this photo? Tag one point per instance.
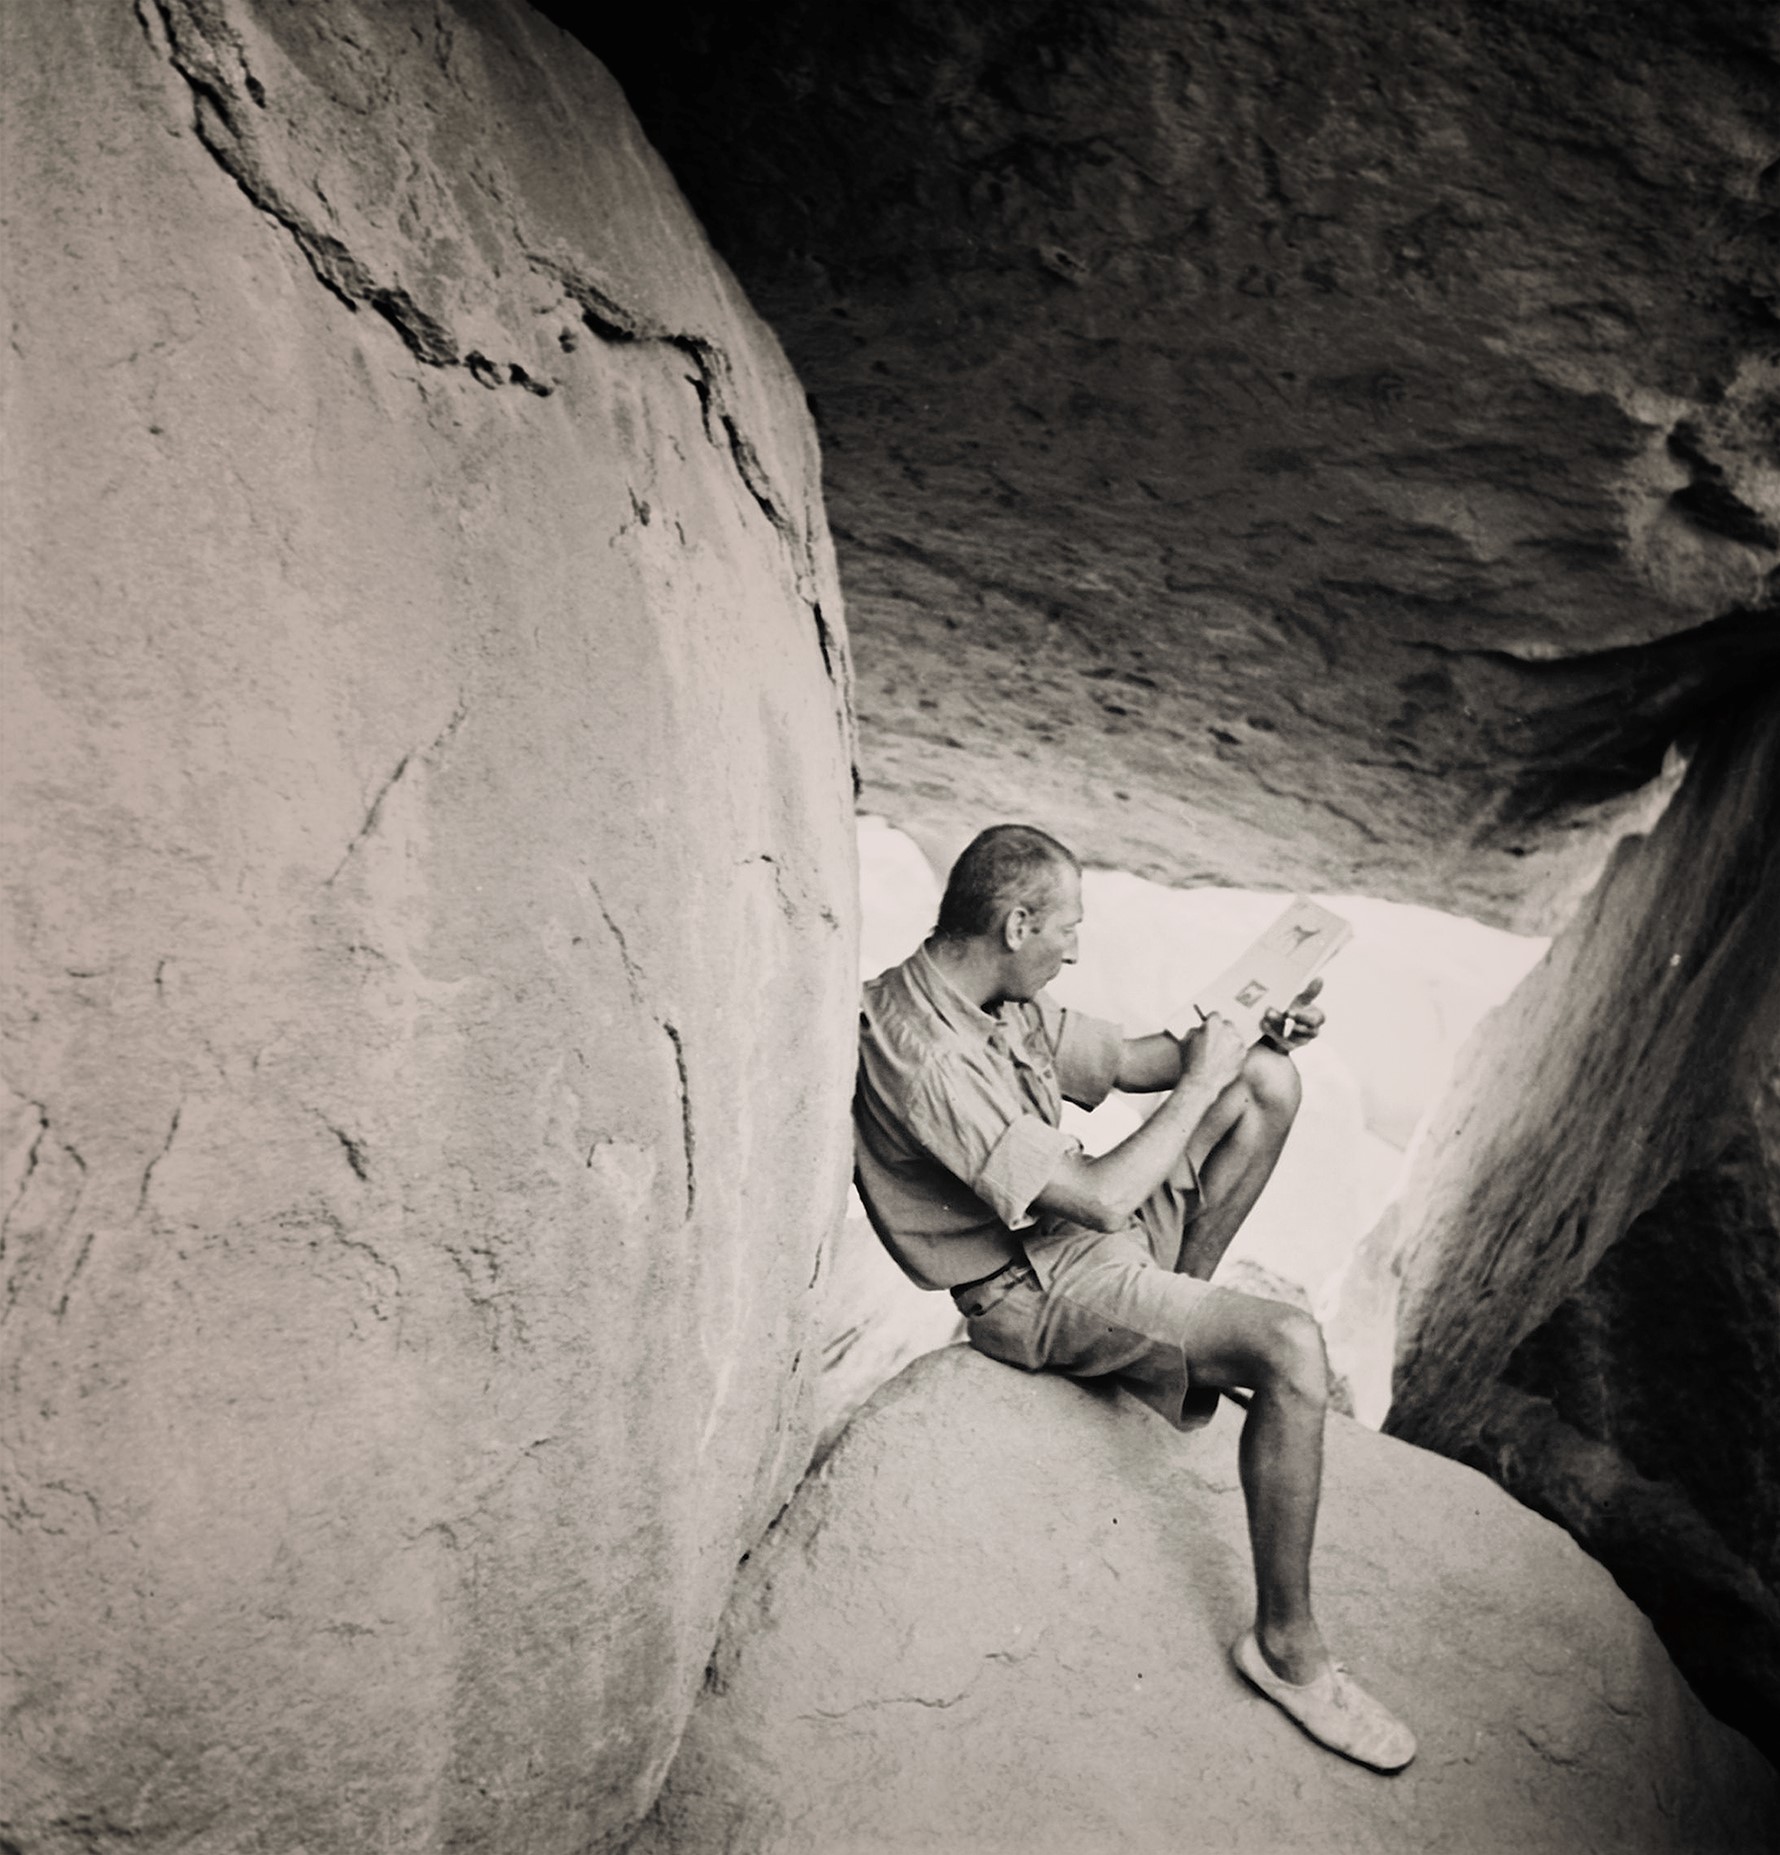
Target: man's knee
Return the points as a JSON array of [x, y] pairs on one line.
[[1233, 1338], [1273, 1084], [1292, 1352]]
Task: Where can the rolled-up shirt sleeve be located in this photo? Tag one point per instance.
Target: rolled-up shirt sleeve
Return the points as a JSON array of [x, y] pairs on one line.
[[963, 1122], [1089, 1052]]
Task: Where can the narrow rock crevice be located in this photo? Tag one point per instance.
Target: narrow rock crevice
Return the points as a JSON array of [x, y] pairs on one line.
[[148, 1172], [354, 1150], [210, 57], [80, 1263], [1595, 725], [374, 812], [37, 1161], [711, 380], [26, 1176], [633, 974], [687, 1138]]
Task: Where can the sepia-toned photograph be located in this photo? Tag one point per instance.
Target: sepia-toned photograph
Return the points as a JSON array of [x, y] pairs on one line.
[[891, 935]]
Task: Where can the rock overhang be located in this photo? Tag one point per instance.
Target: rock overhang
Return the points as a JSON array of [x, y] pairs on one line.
[[1326, 447]]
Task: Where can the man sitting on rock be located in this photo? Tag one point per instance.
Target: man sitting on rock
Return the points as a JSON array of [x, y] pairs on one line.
[[1099, 1267]]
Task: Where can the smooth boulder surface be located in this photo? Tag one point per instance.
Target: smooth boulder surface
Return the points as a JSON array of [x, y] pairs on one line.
[[430, 966], [997, 1620], [1322, 446], [1589, 1247]]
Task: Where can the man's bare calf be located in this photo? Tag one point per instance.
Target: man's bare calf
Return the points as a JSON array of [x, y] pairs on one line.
[[1275, 1352]]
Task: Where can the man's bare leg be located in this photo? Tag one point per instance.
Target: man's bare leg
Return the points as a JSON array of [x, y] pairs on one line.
[[1235, 1149], [1249, 1343], [1276, 1352]]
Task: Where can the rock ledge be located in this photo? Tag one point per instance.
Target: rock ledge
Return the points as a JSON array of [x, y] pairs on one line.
[[997, 1620]]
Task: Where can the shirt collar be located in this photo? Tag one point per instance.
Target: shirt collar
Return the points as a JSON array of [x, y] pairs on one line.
[[957, 1011]]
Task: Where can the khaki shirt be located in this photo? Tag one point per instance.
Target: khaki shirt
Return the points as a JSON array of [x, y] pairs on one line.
[[956, 1115]]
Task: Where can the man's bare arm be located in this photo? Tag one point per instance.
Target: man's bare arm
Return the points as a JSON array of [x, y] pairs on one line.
[[1103, 1193], [1149, 1064]]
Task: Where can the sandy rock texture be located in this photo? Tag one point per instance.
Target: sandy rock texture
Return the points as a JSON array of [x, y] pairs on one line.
[[1590, 1248], [872, 1321], [1323, 446], [997, 1621], [431, 963]]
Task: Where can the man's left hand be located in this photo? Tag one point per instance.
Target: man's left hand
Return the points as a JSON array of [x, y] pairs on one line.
[[1297, 1025]]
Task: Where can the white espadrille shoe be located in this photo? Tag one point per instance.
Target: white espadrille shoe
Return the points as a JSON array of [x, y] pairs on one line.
[[1333, 1709]]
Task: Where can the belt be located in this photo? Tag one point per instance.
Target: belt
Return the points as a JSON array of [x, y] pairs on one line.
[[1016, 1265]]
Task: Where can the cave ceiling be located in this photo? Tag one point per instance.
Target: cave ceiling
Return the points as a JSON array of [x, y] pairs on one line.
[[1321, 445]]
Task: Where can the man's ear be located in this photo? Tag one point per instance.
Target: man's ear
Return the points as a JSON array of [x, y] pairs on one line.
[[1016, 927]]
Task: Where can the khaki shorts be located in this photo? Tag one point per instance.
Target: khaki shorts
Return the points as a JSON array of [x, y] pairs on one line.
[[1111, 1306]]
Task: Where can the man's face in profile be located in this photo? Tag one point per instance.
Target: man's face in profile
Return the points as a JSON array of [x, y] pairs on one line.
[[1050, 943]]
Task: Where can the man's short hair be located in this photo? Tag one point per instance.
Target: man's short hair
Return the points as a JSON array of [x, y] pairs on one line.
[[1004, 867]]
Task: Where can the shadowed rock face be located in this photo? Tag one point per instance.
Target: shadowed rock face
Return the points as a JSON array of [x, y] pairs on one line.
[[430, 972], [1325, 445], [1590, 1295], [997, 1620]]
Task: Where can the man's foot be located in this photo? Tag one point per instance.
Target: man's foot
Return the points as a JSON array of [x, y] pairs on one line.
[[1333, 1709]]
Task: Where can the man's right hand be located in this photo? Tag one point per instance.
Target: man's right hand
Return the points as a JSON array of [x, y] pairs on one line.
[[1211, 1054]]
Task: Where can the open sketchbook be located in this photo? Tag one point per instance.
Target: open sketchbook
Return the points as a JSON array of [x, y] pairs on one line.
[[1271, 973]]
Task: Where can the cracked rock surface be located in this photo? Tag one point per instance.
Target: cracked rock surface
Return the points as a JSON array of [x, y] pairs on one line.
[[997, 1620], [1323, 446], [430, 969]]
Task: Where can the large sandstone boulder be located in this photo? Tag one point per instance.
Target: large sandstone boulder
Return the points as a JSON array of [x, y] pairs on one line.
[[996, 1621], [430, 974], [1321, 445], [1589, 1249]]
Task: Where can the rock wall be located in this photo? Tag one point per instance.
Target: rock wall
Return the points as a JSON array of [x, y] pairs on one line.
[[1320, 446], [1590, 1248], [431, 957], [997, 1621]]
